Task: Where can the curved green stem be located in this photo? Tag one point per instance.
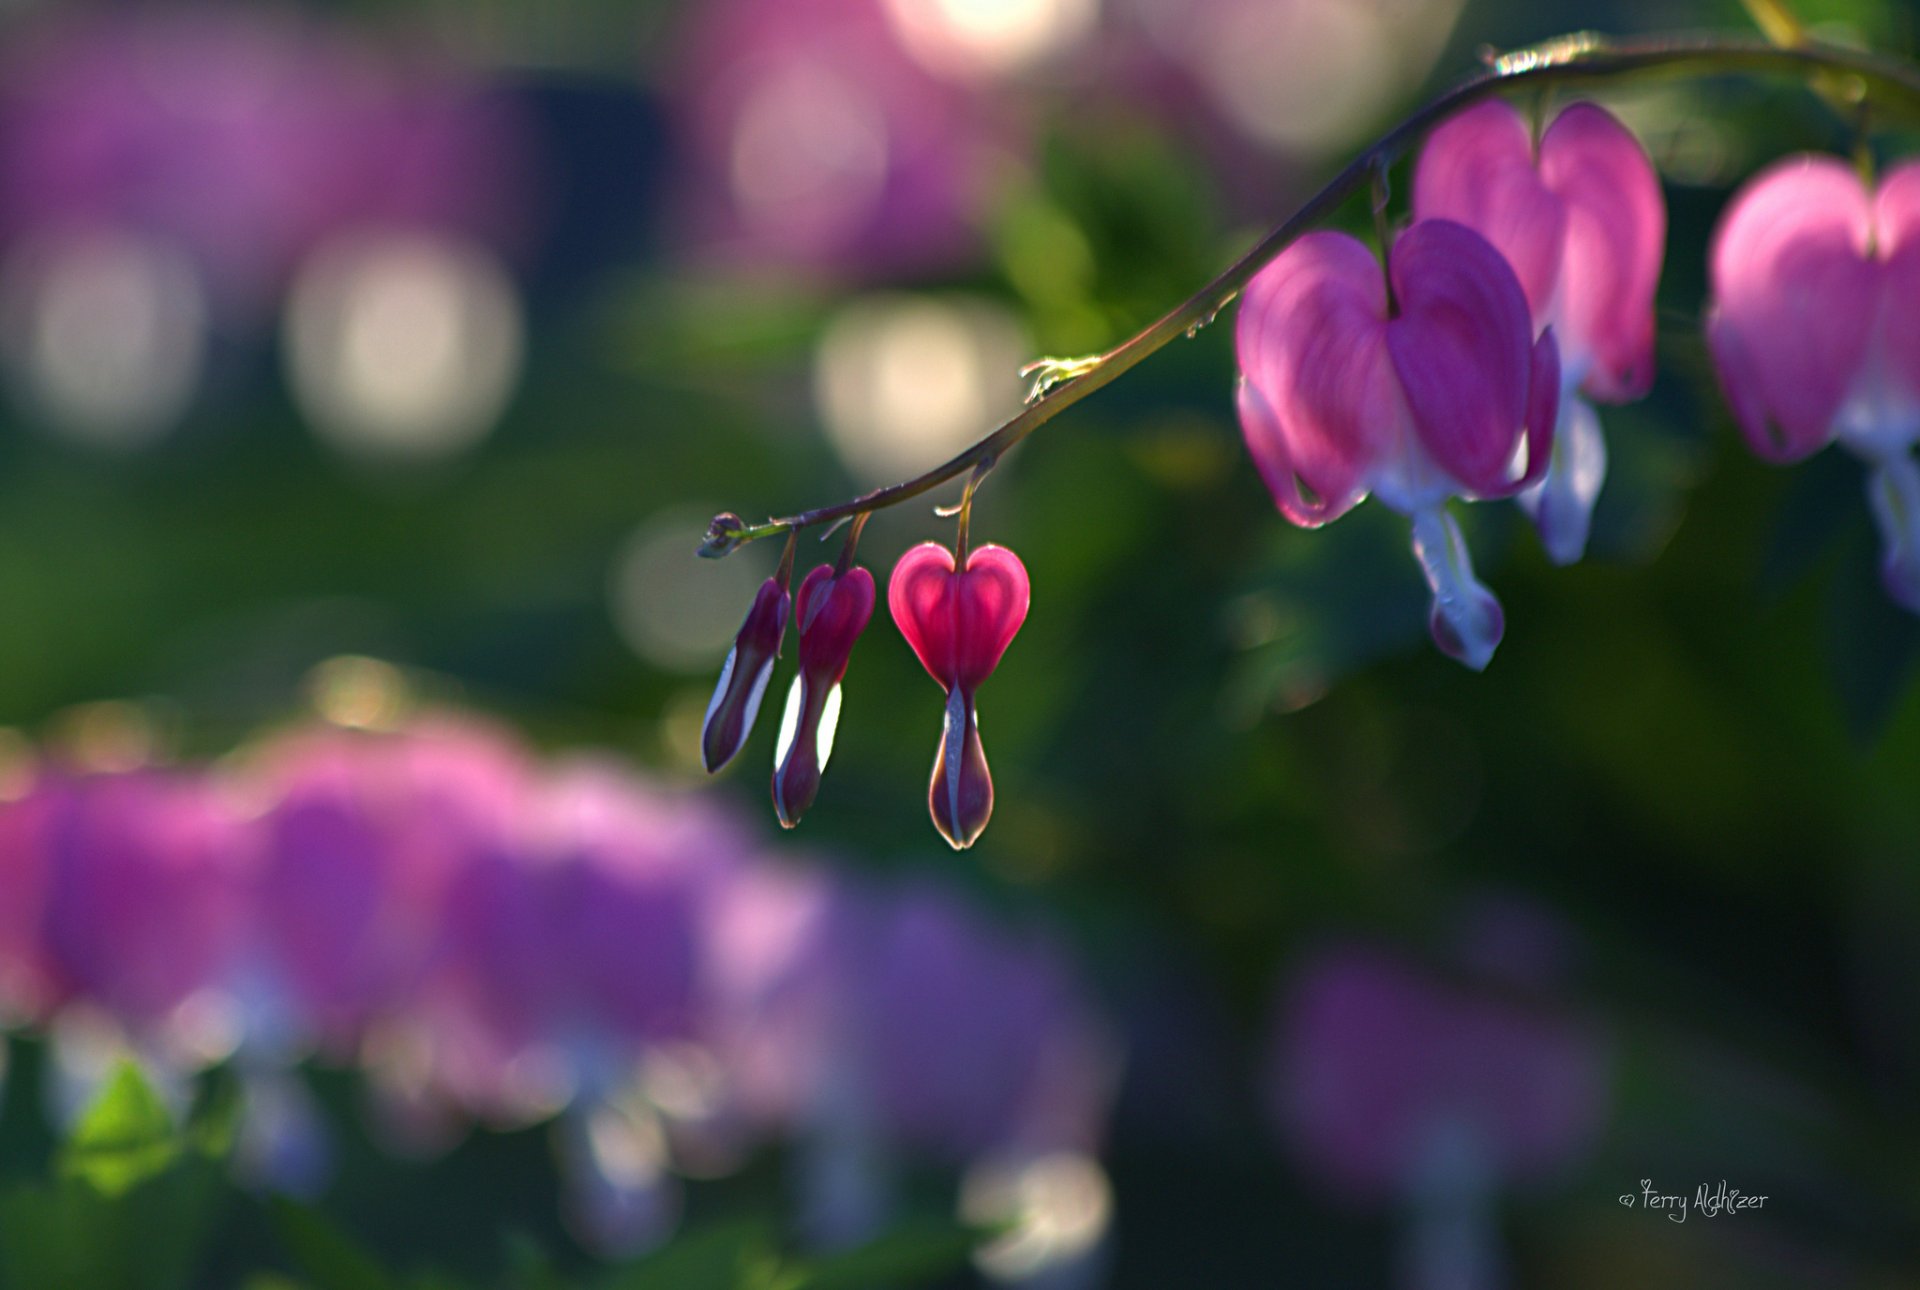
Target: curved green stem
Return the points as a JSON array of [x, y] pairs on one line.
[[1569, 60]]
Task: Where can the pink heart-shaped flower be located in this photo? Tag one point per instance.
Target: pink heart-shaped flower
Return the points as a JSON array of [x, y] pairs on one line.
[[959, 622]]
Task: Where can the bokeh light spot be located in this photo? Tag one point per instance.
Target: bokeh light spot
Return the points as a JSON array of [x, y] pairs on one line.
[[978, 38], [810, 154], [903, 382], [403, 345], [105, 334], [1053, 1209], [673, 609]]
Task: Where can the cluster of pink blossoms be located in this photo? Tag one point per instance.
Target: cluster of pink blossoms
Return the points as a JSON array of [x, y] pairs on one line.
[[246, 138], [1522, 293], [492, 937], [958, 615]]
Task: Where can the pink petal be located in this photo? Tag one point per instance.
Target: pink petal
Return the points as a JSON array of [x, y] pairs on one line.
[[1897, 222], [1319, 403], [1478, 169], [1268, 447], [959, 624], [832, 612], [1463, 349], [1616, 231], [917, 596], [991, 604], [1794, 298], [1543, 407]]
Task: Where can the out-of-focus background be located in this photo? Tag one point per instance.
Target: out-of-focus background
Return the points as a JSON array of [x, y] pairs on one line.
[[368, 373]]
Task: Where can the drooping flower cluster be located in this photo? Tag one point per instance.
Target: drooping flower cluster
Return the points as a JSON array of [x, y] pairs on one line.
[[834, 604], [492, 938], [1423, 389], [1420, 386], [958, 617], [1411, 392], [1463, 363], [1579, 216], [1815, 331]]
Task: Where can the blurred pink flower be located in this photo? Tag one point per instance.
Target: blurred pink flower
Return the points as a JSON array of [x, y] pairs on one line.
[[1580, 216], [1815, 331], [572, 942], [819, 141], [968, 1037], [146, 875], [363, 837], [879, 1025], [950, 1035], [26, 990], [1434, 390], [244, 136], [1382, 1072]]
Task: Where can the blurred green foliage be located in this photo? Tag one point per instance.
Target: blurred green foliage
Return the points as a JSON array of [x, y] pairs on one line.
[[137, 1201]]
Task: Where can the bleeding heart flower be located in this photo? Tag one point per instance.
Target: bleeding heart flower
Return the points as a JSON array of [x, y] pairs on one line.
[[1580, 217], [833, 608], [1815, 331], [1438, 391], [959, 622], [743, 679]]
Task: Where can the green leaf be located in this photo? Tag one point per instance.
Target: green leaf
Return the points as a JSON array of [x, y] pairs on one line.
[[44, 1237], [125, 1138], [726, 1256], [215, 1125], [910, 1255], [154, 1235], [328, 1257], [529, 1267]]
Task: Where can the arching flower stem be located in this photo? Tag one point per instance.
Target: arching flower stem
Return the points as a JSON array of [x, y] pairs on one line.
[[1570, 60]]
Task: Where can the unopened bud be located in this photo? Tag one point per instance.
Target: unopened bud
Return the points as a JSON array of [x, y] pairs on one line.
[[725, 532], [743, 680], [832, 610]]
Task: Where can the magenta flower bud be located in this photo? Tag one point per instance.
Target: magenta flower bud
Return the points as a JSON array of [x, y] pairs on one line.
[[959, 623], [1580, 218], [1815, 331], [1439, 391], [744, 677], [834, 606]]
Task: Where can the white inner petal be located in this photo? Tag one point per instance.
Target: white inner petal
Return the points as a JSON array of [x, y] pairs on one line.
[[789, 725], [829, 723]]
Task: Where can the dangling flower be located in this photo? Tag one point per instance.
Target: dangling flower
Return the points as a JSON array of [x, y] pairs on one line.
[[833, 608], [1435, 392], [744, 677], [1815, 331], [1580, 217], [959, 621]]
